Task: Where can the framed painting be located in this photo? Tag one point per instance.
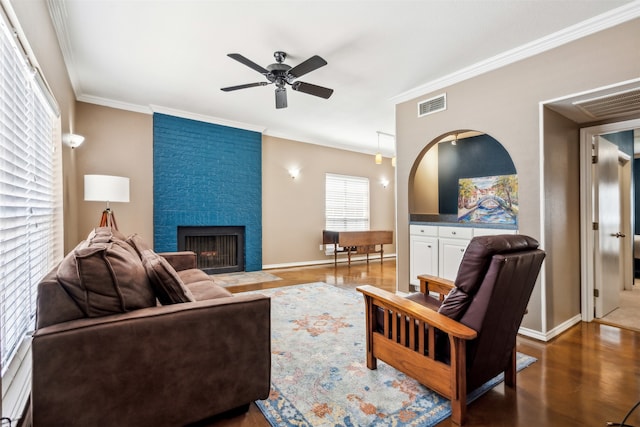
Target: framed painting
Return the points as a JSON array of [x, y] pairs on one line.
[[488, 199]]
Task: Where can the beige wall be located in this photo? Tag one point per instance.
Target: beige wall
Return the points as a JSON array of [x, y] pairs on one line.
[[117, 143], [293, 210], [562, 210], [121, 143], [424, 199], [505, 104]]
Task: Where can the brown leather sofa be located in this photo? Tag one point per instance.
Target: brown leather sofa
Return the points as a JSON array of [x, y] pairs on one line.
[[129, 338]]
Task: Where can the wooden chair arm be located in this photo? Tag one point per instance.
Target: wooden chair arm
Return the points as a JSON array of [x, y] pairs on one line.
[[417, 311], [435, 284]]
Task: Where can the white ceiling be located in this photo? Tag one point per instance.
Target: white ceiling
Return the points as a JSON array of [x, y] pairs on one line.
[[170, 56]]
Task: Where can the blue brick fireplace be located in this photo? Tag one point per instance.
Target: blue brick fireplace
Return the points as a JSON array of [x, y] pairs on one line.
[[206, 175]]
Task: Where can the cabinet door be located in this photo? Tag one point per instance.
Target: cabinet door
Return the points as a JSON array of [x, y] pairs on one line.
[[424, 257], [450, 256]]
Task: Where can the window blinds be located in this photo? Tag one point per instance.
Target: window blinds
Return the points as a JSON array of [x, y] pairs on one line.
[[346, 203], [30, 192]]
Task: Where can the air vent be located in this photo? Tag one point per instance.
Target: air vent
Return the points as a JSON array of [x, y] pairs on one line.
[[432, 105], [614, 105]]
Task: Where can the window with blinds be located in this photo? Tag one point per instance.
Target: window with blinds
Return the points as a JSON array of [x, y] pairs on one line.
[[346, 203], [30, 191]]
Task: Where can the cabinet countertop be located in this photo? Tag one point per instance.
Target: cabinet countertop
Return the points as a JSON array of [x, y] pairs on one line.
[[452, 221]]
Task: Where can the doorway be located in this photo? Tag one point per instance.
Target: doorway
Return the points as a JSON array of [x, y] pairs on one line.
[[600, 289]]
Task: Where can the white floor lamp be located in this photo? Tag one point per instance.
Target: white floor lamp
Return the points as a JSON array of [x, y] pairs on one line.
[[106, 188]]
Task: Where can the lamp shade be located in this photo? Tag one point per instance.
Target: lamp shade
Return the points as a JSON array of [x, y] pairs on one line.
[[106, 188]]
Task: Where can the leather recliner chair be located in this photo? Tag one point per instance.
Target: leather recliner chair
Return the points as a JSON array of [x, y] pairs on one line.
[[456, 345]]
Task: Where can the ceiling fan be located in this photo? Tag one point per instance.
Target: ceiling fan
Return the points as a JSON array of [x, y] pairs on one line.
[[282, 74]]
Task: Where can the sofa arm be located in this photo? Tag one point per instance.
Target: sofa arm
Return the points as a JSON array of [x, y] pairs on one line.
[[161, 366], [180, 260]]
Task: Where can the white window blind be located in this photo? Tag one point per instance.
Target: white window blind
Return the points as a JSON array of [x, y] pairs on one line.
[[346, 203], [30, 191]]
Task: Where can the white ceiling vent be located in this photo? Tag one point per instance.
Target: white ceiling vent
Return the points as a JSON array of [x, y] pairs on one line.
[[613, 105], [432, 105]]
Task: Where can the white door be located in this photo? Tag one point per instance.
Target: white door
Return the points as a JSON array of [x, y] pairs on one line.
[[608, 237]]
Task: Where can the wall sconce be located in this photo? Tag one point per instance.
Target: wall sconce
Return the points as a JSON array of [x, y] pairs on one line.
[[73, 140], [393, 161], [294, 173], [106, 188], [384, 182]]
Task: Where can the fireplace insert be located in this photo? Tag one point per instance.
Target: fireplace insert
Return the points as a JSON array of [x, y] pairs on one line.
[[219, 249]]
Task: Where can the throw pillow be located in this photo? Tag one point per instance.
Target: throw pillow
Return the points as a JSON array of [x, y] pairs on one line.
[[167, 284], [138, 244], [455, 304], [105, 278], [105, 235]]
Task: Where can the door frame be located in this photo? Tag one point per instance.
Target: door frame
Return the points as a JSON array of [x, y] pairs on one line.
[[587, 236]]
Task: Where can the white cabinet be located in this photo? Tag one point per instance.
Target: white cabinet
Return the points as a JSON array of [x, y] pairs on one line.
[[453, 241], [424, 252], [450, 254], [438, 250]]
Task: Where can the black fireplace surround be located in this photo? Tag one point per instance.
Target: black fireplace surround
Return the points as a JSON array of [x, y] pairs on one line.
[[219, 249]]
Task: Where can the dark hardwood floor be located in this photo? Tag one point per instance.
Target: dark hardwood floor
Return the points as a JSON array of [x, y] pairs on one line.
[[585, 377]]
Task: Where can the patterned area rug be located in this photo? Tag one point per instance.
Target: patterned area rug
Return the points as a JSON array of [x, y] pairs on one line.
[[319, 374], [243, 278]]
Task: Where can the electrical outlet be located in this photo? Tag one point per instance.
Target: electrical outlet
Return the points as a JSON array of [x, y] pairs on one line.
[[321, 247]]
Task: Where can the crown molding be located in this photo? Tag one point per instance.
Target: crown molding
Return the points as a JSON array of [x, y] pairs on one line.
[[58, 13], [585, 28], [105, 102], [207, 119]]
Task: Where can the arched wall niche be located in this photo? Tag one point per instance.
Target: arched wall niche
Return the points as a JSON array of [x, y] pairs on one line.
[[433, 180]]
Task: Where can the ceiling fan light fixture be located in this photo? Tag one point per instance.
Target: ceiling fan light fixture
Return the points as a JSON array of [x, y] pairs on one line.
[[282, 74]]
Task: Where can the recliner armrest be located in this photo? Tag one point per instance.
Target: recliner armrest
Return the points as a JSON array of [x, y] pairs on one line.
[[417, 311], [439, 285]]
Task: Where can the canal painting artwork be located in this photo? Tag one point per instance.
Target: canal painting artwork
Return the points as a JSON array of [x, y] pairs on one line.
[[488, 199]]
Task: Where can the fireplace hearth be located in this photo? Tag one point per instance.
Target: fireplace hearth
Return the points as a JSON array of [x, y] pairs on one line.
[[219, 249]]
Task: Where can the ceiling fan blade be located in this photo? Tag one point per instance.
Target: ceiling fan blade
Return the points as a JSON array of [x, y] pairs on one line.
[[311, 89], [307, 66], [249, 63], [230, 88], [281, 97]]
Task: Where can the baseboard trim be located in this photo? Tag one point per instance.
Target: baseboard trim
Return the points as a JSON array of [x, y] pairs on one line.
[[542, 336], [324, 261]]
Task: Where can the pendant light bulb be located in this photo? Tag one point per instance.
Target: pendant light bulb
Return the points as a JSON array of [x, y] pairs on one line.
[[378, 154]]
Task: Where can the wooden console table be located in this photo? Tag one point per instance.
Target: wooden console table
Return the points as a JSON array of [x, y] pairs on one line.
[[361, 242]]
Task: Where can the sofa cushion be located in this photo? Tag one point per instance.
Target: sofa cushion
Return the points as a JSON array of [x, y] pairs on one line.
[[193, 275], [105, 278], [168, 286], [206, 289]]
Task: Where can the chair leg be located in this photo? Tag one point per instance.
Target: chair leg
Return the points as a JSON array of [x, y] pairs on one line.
[[458, 411], [510, 372], [372, 362]]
